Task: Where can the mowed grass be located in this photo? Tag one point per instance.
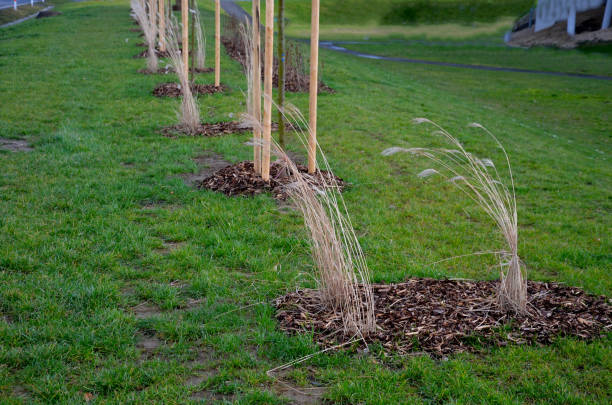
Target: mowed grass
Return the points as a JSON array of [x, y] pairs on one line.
[[593, 60], [121, 284]]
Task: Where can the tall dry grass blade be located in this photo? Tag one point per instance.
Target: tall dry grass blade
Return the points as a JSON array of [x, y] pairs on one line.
[[189, 113], [149, 28], [342, 276], [480, 180], [200, 39]]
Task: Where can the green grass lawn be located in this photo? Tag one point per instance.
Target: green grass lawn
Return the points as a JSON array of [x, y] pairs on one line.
[[594, 60], [121, 284]]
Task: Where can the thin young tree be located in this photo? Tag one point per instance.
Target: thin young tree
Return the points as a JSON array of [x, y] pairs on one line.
[[480, 180]]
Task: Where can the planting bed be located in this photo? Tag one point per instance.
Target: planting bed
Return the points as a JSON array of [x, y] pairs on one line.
[[295, 82], [240, 179], [174, 90], [215, 129], [160, 54], [449, 316]]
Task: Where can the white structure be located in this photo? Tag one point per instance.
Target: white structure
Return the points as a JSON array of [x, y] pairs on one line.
[[548, 12]]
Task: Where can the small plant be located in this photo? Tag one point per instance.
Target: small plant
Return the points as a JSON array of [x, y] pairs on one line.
[[189, 115], [479, 179], [343, 276], [149, 28], [200, 39]]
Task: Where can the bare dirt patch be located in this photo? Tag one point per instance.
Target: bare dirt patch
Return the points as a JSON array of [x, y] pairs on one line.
[[207, 164], [297, 394], [146, 310], [148, 346], [240, 179], [168, 247], [450, 316], [211, 397], [174, 89], [15, 145]]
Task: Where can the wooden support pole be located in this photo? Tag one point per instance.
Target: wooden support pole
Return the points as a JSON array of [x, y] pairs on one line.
[[153, 14], [256, 85], [314, 86], [267, 115], [281, 72], [217, 43], [185, 39], [162, 26]]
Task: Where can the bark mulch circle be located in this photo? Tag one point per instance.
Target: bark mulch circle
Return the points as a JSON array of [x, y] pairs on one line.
[[292, 84], [240, 180], [207, 129], [450, 316], [169, 69], [215, 129], [144, 53], [174, 89]]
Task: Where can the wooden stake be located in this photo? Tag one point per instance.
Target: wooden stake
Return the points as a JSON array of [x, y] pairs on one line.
[[185, 40], [256, 85], [281, 72], [267, 116], [217, 43], [314, 86], [153, 13], [162, 25]]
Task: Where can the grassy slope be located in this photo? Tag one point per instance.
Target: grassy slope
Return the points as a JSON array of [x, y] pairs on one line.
[[594, 61], [82, 219], [400, 18]]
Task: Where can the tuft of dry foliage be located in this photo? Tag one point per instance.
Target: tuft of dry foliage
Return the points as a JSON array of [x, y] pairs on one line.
[[480, 180], [189, 115], [200, 40], [149, 28], [342, 276]]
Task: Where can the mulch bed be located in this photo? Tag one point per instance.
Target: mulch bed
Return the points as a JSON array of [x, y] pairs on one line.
[[159, 53], [240, 180], [169, 69], [215, 129], [174, 90], [450, 316], [293, 85]]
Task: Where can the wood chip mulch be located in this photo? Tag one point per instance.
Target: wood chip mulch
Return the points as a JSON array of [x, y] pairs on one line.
[[207, 129], [160, 54], [441, 317], [240, 180], [174, 89], [214, 129], [293, 85]]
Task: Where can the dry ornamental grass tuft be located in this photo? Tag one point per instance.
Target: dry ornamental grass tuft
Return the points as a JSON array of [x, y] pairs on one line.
[[480, 180], [189, 115], [149, 28]]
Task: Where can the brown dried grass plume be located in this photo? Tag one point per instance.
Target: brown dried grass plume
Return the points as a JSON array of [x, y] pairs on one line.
[[480, 180]]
